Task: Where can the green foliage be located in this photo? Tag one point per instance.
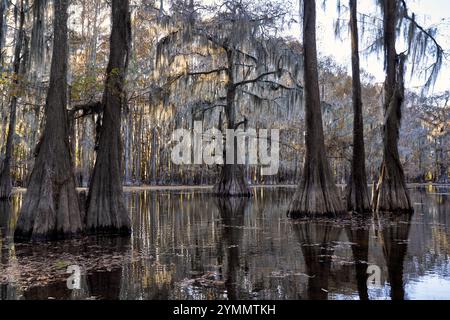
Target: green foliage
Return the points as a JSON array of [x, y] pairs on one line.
[[84, 86]]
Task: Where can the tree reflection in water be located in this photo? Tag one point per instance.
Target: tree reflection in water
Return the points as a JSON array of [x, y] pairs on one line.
[[8, 263], [232, 211], [358, 234], [190, 245], [395, 233], [316, 238]]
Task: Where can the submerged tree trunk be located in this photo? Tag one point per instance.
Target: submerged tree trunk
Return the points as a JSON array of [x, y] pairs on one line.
[[106, 210], [50, 208], [392, 194], [5, 174], [317, 193], [232, 181], [357, 192]]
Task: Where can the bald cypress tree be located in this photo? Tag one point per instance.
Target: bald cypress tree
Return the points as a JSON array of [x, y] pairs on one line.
[[317, 193], [357, 192], [391, 194], [106, 210], [50, 208], [242, 50]]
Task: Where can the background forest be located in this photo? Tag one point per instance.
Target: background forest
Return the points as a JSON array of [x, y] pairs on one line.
[[169, 88]]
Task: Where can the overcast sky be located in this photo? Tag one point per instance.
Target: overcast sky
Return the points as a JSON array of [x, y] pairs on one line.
[[429, 12]]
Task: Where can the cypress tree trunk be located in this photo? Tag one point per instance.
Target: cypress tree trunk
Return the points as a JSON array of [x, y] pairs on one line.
[[3, 8], [137, 168], [50, 208], [128, 126], [232, 181], [86, 138], [106, 211], [443, 171], [391, 194], [5, 174], [317, 193], [37, 57], [357, 192], [154, 152]]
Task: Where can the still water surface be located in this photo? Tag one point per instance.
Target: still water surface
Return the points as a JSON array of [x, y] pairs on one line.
[[189, 245]]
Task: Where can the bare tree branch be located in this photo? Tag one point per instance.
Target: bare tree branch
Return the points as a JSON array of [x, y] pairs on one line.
[[262, 75]]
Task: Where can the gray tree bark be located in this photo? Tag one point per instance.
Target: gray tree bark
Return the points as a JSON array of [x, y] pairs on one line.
[[106, 210], [128, 124], [50, 208], [317, 193], [391, 194], [232, 181], [3, 8], [358, 199]]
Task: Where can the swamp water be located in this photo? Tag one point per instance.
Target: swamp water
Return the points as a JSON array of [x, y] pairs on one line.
[[187, 244]]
